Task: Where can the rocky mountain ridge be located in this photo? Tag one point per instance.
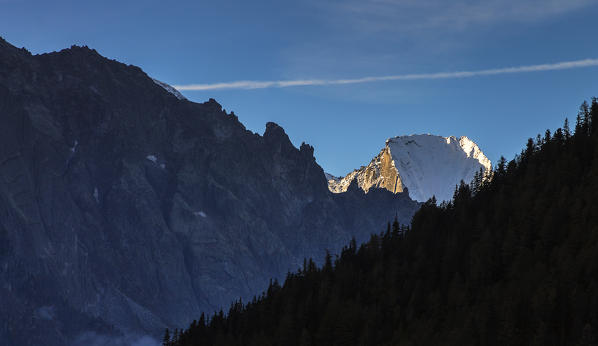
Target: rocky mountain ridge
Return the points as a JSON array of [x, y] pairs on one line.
[[125, 208]]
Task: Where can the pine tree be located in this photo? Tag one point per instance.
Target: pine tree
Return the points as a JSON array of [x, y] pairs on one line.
[[584, 112], [166, 341], [476, 182], [579, 125], [395, 227], [529, 148], [327, 268], [547, 137], [594, 116], [566, 129], [501, 166], [175, 336], [559, 136]]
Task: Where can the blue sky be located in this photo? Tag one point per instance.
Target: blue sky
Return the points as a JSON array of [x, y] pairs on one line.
[[206, 42]]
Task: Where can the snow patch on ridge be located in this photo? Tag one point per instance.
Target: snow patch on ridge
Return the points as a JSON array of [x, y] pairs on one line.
[[340, 184], [170, 89], [472, 150], [200, 213], [152, 158]]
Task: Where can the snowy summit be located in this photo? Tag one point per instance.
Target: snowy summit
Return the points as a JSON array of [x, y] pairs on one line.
[[425, 165]]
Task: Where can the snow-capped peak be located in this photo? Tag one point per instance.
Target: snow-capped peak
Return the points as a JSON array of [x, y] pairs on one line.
[[426, 165]]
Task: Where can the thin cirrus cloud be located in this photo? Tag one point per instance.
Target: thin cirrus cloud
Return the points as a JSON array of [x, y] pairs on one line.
[[401, 15], [252, 84]]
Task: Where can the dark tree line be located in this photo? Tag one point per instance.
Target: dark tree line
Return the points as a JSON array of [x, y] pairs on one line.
[[512, 260]]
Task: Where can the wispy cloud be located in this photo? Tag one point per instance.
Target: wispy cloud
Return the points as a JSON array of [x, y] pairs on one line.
[[402, 15], [249, 84]]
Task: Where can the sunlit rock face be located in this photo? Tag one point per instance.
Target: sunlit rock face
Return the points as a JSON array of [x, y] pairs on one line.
[[425, 165], [125, 208], [380, 173]]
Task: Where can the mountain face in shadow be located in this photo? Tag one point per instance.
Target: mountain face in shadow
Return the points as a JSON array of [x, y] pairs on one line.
[[511, 260], [123, 204]]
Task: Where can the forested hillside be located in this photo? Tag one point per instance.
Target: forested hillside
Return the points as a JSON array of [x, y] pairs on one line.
[[513, 260]]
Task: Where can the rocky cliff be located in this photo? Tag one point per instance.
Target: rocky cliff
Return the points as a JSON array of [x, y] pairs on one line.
[[125, 208]]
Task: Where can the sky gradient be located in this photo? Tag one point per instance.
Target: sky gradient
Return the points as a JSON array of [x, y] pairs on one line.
[[208, 43]]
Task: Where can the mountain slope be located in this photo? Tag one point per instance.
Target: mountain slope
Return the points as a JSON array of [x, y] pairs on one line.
[[511, 262], [425, 165], [125, 208]]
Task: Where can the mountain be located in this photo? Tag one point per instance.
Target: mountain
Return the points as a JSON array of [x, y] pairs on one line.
[[125, 208], [512, 260], [425, 165]]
